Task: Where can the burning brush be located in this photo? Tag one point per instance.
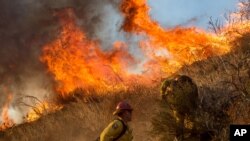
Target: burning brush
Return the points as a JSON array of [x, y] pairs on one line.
[[74, 61]]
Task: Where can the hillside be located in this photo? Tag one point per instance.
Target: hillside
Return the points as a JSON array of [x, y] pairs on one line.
[[223, 87], [68, 63]]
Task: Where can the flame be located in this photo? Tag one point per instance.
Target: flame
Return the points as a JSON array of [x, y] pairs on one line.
[[75, 61], [185, 45], [78, 62], [6, 121], [42, 109]]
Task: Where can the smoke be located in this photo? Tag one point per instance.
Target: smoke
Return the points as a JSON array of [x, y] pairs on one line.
[[26, 25]]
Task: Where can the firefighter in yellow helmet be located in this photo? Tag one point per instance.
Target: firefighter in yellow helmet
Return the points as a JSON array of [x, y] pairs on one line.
[[118, 130], [181, 94]]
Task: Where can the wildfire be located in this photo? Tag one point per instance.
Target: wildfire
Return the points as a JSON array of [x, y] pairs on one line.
[[6, 121], [77, 62], [185, 45], [41, 109]]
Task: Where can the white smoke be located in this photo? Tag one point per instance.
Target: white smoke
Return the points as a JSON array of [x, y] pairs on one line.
[[16, 115]]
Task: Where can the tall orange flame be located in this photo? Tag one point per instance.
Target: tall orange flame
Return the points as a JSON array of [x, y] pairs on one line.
[[185, 45], [77, 62]]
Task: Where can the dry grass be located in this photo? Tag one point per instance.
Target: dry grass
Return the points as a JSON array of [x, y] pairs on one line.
[[83, 119], [223, 84], [224, 88], [222, 95]]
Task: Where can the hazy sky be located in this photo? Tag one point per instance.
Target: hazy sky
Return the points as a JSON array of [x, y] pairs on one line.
[[179, 12]]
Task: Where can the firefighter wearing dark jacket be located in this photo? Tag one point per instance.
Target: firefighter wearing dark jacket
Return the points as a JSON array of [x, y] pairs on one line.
[[181, 94], [118, 130]]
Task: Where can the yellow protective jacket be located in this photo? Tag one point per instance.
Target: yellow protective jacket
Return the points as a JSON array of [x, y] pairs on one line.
[[114, 129]]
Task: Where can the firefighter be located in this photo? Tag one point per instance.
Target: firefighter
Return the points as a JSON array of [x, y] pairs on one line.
[[181, 94], [118, 130]]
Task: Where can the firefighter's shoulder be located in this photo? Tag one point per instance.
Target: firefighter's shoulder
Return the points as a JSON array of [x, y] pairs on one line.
[[116, 125], [114, 128]]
